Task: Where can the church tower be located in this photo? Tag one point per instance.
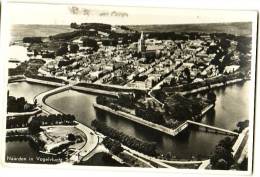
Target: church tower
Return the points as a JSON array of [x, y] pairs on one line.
[[141, 43]]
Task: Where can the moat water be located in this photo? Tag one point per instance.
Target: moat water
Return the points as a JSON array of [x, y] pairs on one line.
[[231, 107]]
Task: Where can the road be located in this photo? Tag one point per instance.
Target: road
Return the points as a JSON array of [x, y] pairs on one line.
[[92, 138], [89, 147]]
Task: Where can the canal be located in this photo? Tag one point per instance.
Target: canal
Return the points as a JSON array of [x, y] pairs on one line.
[[231, 107]]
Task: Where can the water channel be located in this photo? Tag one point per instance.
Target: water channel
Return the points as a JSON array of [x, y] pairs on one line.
[[231, 107]]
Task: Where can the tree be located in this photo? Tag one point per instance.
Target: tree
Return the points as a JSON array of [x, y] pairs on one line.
[[179, 106], [90, 43], [35, 102], [221, 165], [187, 74], [27, 107], [34, 126], [74, 25], [224, 43], [211, 96], [222, 157], [196, 108], [74, 48], [226, 143], [71, 137], [244, 165], [242, 125], [212, 49], [62, 50], [35, 52], [17, 105], [126, 99], [21, 100]]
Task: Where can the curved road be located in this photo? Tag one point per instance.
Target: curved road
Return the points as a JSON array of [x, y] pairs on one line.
[[91, 143], [92, 138]]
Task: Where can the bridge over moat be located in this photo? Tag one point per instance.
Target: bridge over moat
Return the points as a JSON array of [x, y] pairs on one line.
[[210, 129], [213, 128], [40, 98]]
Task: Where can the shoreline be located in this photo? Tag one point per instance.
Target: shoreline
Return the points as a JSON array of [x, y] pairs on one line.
[[84, 125], [31, 113], [213, 86], [76, 86], [162, 129]]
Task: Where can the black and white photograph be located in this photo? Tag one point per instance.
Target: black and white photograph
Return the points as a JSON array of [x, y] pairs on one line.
[[124, 87]]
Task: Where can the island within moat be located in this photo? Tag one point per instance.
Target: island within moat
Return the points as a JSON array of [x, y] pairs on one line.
[[110, 95]]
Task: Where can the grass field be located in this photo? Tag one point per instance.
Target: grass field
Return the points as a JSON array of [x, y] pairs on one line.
[[238, 28], [18, 32]]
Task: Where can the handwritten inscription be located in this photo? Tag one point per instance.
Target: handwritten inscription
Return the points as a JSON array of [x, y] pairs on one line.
[[95, 12]]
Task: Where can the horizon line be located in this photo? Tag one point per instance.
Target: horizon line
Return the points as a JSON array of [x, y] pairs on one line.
[[202, 23]]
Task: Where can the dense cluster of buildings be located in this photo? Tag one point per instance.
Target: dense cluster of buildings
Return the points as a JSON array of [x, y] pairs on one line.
[[142, 64]]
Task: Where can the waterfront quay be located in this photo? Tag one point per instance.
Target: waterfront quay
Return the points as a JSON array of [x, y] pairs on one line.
[[160, 128], [156, 96], [163, 129], [85, 151]]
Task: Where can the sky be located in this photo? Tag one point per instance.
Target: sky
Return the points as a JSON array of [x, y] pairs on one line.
[[26, 13]]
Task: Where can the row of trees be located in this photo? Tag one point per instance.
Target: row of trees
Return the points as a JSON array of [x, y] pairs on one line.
[[17, 122], [59, 119], [131, 142], [16, 138], [107, 28], [66, 36], [113, 145], [37, 121], [17, 133], [97, 26], [133, 161], [32, 40], [18, 105]]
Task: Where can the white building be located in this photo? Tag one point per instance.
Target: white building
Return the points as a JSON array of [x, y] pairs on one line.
[[231, 69]]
